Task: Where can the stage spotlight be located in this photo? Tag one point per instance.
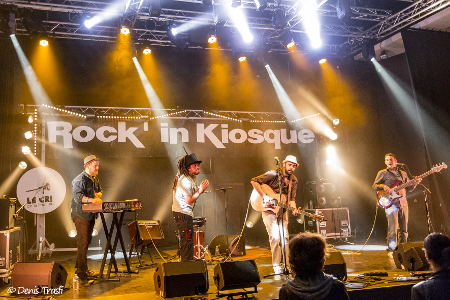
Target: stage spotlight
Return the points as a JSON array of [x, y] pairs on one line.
[[147, 51], [290, 45], [89, 23], [73, 233], [95, 232], [43, 42], [311, 23], [154, 8], [30, 119], [212, 39], [249, 224], [26, 150], [124, 30], [23, 165], [322, 61], [261, 5], [242, 58], [28, 135], [368, 51], [336, 121]]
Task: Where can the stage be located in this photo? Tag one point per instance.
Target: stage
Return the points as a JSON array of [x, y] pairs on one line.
[[140, 285]]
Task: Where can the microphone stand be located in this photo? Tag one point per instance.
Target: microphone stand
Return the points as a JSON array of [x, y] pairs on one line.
[[426, 207], [282, 210], [224, 189], [425, 199]]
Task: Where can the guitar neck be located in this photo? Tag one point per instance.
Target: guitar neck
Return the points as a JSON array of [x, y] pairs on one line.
[[411, 182]]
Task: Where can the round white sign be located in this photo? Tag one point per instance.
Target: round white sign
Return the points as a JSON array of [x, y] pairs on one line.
[[41, 189]]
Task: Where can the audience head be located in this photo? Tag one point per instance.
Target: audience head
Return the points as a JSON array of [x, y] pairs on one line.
[[307, 254], [437, 246]]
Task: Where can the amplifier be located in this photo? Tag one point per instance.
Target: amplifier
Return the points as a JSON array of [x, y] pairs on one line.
[[337, 222], [9, 250], [144, 231]]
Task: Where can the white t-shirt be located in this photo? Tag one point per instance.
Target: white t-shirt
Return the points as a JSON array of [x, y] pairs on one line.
[[185, 186]]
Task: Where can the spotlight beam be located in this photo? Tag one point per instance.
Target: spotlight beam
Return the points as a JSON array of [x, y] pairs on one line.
[[239, 20], [37, 90], [285, 101], [10, 181]]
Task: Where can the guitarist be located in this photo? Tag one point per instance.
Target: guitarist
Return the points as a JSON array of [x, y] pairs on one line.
[[397, 213], [273, 221]]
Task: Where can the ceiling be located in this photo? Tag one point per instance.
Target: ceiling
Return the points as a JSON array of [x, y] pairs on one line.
[[377, 21]]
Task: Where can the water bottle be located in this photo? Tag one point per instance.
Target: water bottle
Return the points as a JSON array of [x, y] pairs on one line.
[[217, 253], [76, 282]]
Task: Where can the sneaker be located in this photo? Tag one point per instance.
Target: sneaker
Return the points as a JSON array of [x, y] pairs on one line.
[[88, 274]]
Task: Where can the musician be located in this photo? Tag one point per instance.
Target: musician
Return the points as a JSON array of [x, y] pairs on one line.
[[185, 193], [397, 213], [85, 189], [272, 221]]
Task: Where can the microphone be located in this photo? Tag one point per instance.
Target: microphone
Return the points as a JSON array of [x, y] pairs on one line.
[[401, 164], [276, 158]]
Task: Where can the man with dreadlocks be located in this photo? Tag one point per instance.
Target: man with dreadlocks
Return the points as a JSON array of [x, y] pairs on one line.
[[185, 192]]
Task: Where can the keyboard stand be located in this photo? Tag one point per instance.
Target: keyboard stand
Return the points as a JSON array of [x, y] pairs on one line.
[[116, 223]]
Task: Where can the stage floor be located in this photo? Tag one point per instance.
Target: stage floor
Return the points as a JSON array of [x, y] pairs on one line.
[[372, 258]]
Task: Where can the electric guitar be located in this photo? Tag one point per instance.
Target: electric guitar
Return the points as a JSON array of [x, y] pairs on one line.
[[271, 202], [386, 200]]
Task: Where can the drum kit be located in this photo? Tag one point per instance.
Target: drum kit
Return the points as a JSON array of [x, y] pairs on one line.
[[199, 238]]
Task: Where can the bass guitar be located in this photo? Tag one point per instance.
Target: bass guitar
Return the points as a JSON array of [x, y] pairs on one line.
[[271, 202], [385, 200]]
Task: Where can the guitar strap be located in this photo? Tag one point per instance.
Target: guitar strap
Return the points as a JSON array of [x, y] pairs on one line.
[[289, 191]]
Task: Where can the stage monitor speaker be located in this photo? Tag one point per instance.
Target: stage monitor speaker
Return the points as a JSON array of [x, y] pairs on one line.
[[143, 231], [235, 245], [7, 211], [177, 279], [37, 276], [236, 275], [405, 253], [335, 265]]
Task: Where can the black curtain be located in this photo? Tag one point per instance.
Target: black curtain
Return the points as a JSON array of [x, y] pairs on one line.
[[7, 56], [428, 59]]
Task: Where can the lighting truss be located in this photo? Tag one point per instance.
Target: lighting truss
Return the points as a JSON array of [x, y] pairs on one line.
[[131, 12], [151, 113], [61, 24], [411, 15]]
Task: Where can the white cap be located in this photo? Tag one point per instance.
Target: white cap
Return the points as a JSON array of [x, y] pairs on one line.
[[291, 158]]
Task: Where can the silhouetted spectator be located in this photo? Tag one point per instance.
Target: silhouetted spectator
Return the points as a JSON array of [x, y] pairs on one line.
[[437, 287], [307, 258]]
